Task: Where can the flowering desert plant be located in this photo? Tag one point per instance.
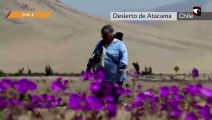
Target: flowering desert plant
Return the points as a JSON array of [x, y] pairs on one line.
[[191, 102]]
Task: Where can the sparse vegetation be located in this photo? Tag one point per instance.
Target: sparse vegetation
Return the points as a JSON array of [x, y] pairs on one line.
[[48, 70], [29, 71], [137, 67], [2, 73], [147, 71], [20, 72]]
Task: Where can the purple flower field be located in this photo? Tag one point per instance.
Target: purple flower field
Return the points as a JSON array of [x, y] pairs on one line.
[[91, 98]]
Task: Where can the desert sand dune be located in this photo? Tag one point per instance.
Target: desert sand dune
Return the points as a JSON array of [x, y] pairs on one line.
[[67, 39]]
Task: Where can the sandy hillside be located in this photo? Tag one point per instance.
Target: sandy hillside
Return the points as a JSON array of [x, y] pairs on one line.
[[68, 37]]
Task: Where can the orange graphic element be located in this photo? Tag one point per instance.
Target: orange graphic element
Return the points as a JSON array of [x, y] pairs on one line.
[[28, 14]]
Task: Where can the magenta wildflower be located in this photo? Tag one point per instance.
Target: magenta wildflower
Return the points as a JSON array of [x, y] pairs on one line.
[[74, 101], [148, 93], [2, 89], [109, 87], [121, 91], [24, 85], [95, 87], [191, 116], [78, 102], [50, 98], [57, 102], [154, 99], [174, 89], [176, 112], [45, 101], [87, 75], [205, 112], [6, 83], [99, 75], [44, 97], [178, 97], [140, 97], [111, 110], [109, 98], [164, 92], [139, 86], [136, 104], [127, 92], [206, 92], [127, 108], [195, 72], [134, 73], [209, 100], [193, 90], [14, 102], [3, 102], [35, 99], [59, 85], [94, 103], [173, 104]]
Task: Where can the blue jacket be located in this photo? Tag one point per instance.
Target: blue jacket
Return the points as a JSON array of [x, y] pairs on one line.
[[116, 58]]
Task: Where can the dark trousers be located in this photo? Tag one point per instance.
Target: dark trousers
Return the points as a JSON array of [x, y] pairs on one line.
[[120, 83]]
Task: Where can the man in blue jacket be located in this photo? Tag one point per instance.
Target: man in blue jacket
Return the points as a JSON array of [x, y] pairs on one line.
[[111, 55], [115, 56]]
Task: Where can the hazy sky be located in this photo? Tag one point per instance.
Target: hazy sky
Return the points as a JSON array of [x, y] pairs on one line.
[[104, 7]]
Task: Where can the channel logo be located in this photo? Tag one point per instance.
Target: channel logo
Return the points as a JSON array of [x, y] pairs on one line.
[[197, 11]]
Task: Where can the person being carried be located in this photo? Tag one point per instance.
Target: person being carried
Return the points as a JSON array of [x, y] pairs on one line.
[[119, 35]]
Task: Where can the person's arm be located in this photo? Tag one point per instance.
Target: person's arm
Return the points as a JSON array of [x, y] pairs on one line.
[[89, 65], [97, 47], [123, 58]]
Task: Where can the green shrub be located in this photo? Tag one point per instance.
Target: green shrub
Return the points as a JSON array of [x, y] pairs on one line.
[[136, 66], [29, 71], [2, 73], [48, 70], [147, 71]]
